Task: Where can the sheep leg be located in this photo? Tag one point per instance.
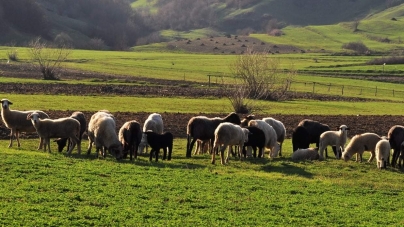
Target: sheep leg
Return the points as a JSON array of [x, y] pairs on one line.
[[213, 154], [372, 155], [17, 137], [151, 155], [170, 151], [222, 160], [197, 148], [11, 138], [395, 157], [240, 151], [280, 149], [164, 153], [190, 146], [157, 154], [48, 144]]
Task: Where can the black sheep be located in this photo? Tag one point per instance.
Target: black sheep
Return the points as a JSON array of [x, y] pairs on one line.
[[396, 137], [157, 141], [130, 135], [300, 138], [315, 129], [256, 138], [203, 128]]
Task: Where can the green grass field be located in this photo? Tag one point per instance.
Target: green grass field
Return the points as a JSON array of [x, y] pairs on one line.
[[42, 189]]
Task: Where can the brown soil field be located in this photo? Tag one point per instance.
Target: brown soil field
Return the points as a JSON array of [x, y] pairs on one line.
[[175, 122]]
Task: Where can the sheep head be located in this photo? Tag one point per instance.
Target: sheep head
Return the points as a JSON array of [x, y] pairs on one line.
[[5, 103], [244, 122], [233, 118], [34, 117], [343, 128]]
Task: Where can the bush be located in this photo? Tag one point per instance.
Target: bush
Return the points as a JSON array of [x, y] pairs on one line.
[[358, 47], [390, 61]]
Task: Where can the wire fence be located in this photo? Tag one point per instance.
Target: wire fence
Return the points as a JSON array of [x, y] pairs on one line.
[[329, 88], [344, 90]]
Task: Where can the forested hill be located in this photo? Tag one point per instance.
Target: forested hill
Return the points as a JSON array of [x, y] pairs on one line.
[[118, 24]]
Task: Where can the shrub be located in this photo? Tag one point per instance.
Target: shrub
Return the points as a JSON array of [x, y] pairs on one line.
[[390, 61], [358, 47]]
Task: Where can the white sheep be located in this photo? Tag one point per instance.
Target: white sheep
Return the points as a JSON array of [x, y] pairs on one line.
[[306, 154], [279, 129], [57, 128], [331, 138], [359, 144], [382, 153], [154, 123], [228, 134], [102, 132], [270, 136], [17, 121]]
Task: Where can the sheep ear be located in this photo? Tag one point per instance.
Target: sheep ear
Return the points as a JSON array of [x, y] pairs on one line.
[[347, 128], [28, 116]]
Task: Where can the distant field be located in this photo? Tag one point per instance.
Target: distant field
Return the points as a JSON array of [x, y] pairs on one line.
[[190, 105]]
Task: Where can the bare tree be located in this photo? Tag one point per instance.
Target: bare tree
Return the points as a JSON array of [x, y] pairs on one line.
[[257, 77], [49, 59]]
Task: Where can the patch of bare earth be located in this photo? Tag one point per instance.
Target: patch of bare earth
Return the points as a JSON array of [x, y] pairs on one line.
[[174, 122]]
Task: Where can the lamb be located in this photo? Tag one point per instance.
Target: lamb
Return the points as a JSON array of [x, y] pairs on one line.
[[61, 142], [300, 138], [359, 144], [203, 128], [228, 134], [306, 154], [55, 128], [256, 139], [279, 129], [154, 122], [382, 153], [130, 135], [337, 138], [158, 141], [270, 136], [102, 132], [201, 147], [315, 129], [17, 121], [396, 137]]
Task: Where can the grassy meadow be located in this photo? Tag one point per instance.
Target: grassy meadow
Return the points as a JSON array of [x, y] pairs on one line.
[[42, 189]]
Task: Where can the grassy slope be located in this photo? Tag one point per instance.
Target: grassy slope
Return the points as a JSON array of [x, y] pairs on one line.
[[332, 37]]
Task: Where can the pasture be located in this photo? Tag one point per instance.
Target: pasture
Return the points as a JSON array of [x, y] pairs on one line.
[[45, 189]]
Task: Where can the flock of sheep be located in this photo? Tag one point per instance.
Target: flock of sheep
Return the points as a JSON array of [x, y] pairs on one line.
[[213, 134]]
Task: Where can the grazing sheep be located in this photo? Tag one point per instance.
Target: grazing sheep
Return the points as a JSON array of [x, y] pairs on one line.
[[396, 137], [130, 135], [154, 123], [270, 136], [56, 128], [102, 132], [256, 139], [203, 128], [315, 129], [17, 121], [83, 126], [382, 153], [306, 154], [228, 134], [359, 144], [279, 129], [336, 138], [160, 141], [300, 138]]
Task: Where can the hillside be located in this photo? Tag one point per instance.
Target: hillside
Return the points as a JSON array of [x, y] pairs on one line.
[[119, 24]]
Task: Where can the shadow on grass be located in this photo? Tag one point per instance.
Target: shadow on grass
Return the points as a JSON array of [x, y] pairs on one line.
[[143, 160], [287, 169]]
